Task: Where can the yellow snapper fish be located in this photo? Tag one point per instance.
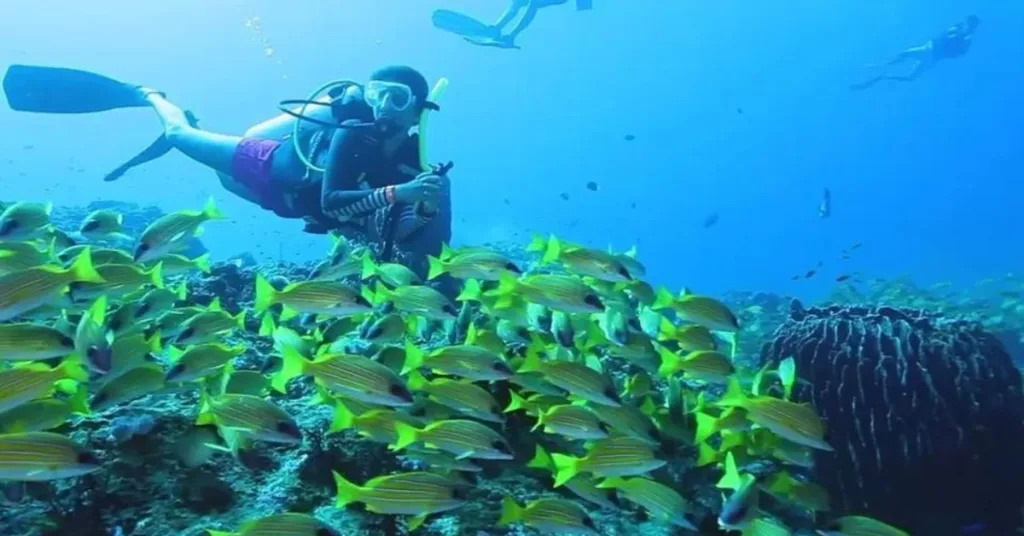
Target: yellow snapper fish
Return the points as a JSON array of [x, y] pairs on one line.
[[103, 224], [118, 280], [100, 256], [24, 220], [334, 270], [172, 232], [418, 494], [860, 526], [21, 292], [700, 310], [798, 423], [388, 328], [352, 376], [44, 413], [208, 325], [690, 337], [557, 292], [575, 378], [158, 301], [41, 456], [463, 396], [556, 516], [33, 342], [582, 485], [484, 265], [139, 381], [199, 361], [391, 274], [461, 437], [241, 419], [374, 424], [175, 264], [330, 298], [288, 524], [92, 339], [17, 256], [417, 300], [614, 456], [572, 421], [466, 360], [741, 508], [661, 501], [31, 381], [580, 260], [707, 365]]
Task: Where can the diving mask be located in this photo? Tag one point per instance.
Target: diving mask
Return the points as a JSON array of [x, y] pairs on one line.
[[390, 96]]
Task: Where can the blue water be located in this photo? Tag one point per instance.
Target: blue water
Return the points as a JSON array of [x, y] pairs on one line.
[[737, 107]]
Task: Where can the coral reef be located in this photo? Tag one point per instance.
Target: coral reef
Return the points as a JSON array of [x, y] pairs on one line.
[[925, 412]]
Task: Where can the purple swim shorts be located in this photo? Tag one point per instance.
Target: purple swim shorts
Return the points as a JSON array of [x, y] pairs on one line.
[[251, 163]]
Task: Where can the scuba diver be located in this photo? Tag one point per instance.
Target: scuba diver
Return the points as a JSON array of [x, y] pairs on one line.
[[482, 34], [345, 162], [954, 42]]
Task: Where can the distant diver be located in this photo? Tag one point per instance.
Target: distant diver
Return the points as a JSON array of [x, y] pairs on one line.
[[345, 162], [954, 42], [825, 206], [478, 33]]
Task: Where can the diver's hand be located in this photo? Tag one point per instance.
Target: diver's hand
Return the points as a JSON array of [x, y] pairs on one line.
[[424, 188]]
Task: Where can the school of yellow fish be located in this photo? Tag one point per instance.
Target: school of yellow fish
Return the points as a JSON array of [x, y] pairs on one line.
[[587, 350]]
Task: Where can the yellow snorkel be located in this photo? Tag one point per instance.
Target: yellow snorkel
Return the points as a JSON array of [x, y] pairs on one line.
[[435, 94]]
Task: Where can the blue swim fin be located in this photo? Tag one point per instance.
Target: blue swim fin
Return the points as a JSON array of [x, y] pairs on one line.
[[463, 25], [158, 148], [56, 90]]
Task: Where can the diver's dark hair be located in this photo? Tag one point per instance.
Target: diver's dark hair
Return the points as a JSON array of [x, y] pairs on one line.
[[973, 21], [402, 74]]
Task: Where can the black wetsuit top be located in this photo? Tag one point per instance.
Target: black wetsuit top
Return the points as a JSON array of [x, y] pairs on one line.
[[952, 43]]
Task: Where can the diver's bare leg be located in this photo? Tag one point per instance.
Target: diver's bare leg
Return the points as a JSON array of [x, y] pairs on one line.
[[213, 150], [510, 14], [919, 68]]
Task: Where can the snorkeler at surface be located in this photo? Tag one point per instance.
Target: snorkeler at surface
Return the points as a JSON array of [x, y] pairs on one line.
[[362, 171], [482, 34], [954, 42]]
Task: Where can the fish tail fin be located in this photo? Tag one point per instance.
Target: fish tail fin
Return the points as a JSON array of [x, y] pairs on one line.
[[79, 402], [343, 418], [566, 468], [507, 284], [511, 512], [537, 243], [156, 275], [414, 357], [381, 294], [663, 299], [202, 262], [541, 459], [211, 532], [347, 491], [267, 326], [732, 479], [446, 252], [205, 409], [293, 366], [612, 482], [552, 251], [210, 210], [83, 270], [74, 370], [436, 267], [369, 267], [706, 427], [471, 291], [240, 319], [540, 421], [516, 402], [407, 435], [734, 395], [266, 295], [670, 362], [706, 455]]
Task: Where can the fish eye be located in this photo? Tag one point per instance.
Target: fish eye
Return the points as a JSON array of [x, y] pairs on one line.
[[459, 494], [625, 273], [289, 429], [610, 393], [603, 427], [634, 324], [523, 333], [450, 309], [90, 225], [362, 301], [143, 247], [92, 352], [86, 457], [142, 310], [374, 331], [67, 342], [325, 532], [593, 301], [186, 334], [589, 523], [8, 226], [513, 268], [500, 446], [501, 366], [400, 391], [99, 398]]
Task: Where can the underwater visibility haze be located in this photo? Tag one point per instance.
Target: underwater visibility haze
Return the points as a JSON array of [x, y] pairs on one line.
[[504, 267]]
